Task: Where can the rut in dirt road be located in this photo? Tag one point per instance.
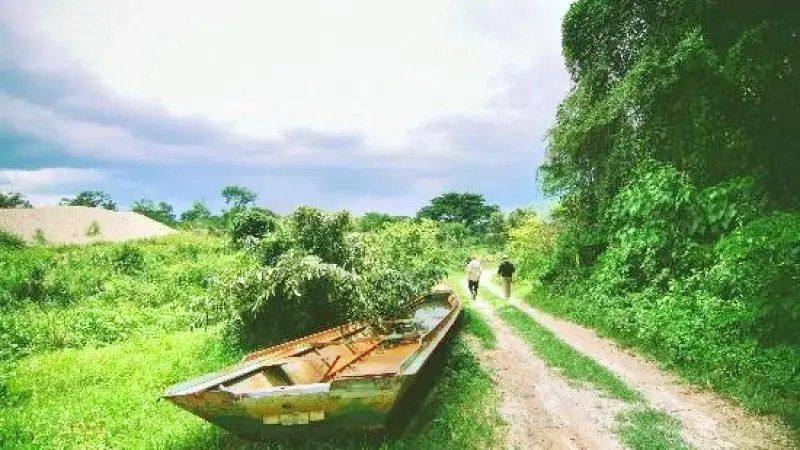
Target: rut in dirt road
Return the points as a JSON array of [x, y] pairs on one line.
[[542, 410], [708, 420]]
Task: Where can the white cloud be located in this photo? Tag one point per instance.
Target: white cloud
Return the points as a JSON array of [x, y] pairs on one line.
[[42, 187], [380, 69], [43, 179]]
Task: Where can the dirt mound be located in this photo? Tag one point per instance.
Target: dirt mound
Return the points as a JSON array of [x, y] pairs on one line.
[[79, 224]]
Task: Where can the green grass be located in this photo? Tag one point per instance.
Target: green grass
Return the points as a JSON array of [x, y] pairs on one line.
[[573, 365], [90, 336], [475, 325], [473, 322], [639, 428], [650, 429], [108, 398]]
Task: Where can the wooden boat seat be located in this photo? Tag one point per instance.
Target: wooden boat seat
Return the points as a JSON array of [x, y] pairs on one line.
[[382, 361]]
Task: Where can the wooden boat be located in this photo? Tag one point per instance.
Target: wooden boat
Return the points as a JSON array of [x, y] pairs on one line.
[[347, 378]]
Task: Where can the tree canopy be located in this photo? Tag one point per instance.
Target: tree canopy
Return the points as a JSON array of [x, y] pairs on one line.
[[161, 212], [238, 196], [455, 207], [93, 199], [708, 87], [197, 212], [13, 200]]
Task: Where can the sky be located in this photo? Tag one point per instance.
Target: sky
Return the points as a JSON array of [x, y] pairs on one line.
[[355, 104]]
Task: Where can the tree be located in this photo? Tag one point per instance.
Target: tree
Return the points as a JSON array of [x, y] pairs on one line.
[[93, 199], [238, 197], [162, 212], [466, 208], [14, 200], [373, 221], [252, 223], [708, 87], [197, 212], [497, 229], [518, 216]]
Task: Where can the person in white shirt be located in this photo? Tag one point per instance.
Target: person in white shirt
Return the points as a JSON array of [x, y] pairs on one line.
[[473, 276]]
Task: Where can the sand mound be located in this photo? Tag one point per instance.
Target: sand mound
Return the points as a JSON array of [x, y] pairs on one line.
[[74, 224]]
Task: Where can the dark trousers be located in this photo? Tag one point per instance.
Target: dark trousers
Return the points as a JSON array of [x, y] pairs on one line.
[[473, 287]]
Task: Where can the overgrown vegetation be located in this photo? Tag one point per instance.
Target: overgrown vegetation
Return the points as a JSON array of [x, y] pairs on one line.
[[314, 273], [107, 398], [91, 335], [674, 159]]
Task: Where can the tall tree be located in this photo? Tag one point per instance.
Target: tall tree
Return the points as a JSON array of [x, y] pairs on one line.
[[161, 212], [467, 208], [197, 212], [13, 200], [93, 199], [238, 196], [708, 87]]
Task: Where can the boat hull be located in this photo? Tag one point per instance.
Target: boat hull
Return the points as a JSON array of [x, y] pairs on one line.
[[343, 405]]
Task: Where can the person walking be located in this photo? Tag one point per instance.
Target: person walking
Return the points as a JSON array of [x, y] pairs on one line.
[[473, 276], [506, 271]]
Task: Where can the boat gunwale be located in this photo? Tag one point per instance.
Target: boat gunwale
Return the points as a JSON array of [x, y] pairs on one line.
[[432, 338]]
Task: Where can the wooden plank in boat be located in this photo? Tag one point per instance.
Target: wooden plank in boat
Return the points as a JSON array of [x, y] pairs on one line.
[[382, 361]]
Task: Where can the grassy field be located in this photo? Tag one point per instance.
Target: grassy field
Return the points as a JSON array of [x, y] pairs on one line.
[[86, 359]]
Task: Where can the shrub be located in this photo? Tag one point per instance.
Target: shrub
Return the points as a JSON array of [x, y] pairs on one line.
[[532, 243], [10, 241], [759, 265], [39, 237], [315, 275], [128, 259], [93, 230], [251, 224]]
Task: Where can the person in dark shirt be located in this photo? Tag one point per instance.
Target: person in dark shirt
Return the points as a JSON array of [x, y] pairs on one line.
[[506, 272]]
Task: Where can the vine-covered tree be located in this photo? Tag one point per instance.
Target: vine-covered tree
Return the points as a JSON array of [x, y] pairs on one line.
[[708, 87]]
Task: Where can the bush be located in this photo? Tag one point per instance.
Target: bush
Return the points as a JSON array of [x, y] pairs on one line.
[[128, 259], [315, 275], [759, 265], [692, 275], [39, 237], [93, 230], [10, 241], [251, 223], [531, 244]]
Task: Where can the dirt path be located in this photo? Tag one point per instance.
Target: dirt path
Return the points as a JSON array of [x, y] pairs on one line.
[[543, 411], [709, 421]]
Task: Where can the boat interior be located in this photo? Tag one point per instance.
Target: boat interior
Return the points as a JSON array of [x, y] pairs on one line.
[[355, 351], [349, 351]]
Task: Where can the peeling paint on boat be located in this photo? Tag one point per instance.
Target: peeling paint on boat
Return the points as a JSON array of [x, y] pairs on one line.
[[346, 378]]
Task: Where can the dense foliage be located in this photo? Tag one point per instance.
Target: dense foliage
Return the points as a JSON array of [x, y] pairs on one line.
[[160, 212], [93, 199], [675, 157], [72, 296], [13, 200], [251, 224], [90, 335], [468, 209], [315, 274]]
